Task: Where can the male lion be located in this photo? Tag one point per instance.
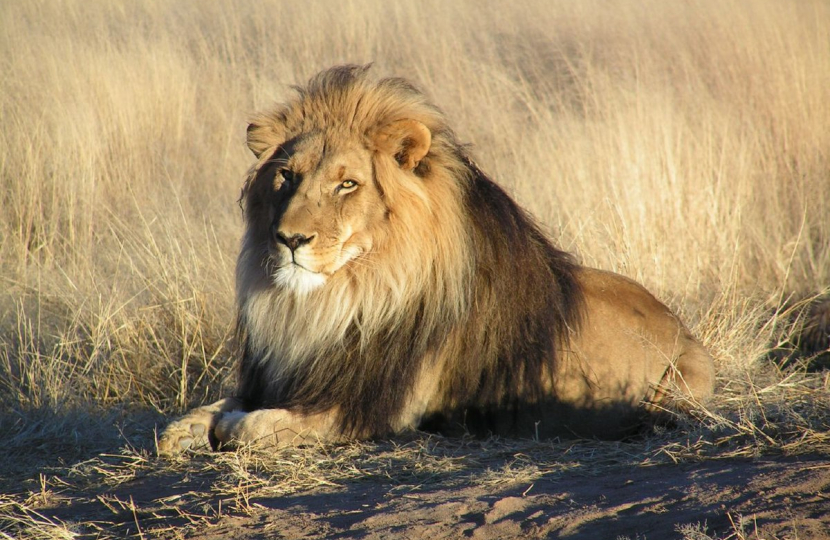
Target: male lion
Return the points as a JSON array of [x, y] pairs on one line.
[[385, 283]]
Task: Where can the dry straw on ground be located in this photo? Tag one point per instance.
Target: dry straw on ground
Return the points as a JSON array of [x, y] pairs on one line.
[[684, 144]]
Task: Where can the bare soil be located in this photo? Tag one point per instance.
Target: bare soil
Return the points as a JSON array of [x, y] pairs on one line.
[[504, 495]]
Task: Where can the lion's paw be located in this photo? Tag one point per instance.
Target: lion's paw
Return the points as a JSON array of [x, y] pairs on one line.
[[188, 433]]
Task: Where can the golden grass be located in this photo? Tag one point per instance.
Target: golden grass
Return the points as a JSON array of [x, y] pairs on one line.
[[683, 144]]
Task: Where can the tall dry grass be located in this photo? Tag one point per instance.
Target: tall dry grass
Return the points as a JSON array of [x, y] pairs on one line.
[[685, 144]]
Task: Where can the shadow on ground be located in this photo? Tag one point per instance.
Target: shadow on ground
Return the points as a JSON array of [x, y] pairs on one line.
[[785, 498], [775, 498]]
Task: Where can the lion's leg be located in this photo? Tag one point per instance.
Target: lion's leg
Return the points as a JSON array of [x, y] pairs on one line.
[[191, 432], [275, 428], [687, 381]]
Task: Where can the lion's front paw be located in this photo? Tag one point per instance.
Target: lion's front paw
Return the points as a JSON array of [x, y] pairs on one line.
[[194, 431], [188, 433]]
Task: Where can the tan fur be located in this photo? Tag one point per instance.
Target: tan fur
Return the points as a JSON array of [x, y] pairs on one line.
[[384, 283]]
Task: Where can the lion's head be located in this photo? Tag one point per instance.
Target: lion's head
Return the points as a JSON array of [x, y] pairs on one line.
[[320, 208], [353, 214], [322, 203]]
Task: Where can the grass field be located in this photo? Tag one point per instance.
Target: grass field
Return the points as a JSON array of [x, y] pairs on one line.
[[684, 144]]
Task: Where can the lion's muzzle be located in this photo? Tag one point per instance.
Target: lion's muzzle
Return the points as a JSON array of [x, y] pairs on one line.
[[292, 241]]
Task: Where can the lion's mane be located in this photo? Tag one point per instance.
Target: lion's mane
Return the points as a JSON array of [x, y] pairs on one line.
[[459, 278]]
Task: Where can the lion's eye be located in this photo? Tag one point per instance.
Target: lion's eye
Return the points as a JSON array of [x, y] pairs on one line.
[[287, 175], [347, 184]]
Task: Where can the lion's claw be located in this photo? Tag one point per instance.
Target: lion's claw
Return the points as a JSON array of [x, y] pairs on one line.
[[183, 436]]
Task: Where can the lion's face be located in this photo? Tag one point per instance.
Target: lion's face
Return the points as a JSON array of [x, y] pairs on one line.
[[318, 205], [322, 205]]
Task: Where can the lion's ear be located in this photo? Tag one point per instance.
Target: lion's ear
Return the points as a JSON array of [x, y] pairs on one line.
[[407, 140], [263, 134]]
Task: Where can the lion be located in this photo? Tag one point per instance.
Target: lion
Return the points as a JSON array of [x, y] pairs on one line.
[[385, 284]]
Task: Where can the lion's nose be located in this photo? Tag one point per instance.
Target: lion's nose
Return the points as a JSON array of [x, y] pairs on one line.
[[294, 241]]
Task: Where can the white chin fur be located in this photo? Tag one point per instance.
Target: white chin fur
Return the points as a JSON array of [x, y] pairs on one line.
[[298, 279]]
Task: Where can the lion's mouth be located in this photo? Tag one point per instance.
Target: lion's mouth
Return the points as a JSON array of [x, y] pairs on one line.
[[302, 267], [298, 278], [304, 272]]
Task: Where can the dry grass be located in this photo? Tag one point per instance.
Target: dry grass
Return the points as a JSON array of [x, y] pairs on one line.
[[682, 144]]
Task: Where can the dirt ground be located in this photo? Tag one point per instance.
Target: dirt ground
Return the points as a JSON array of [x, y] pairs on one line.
[[769, 498], [784, 499]]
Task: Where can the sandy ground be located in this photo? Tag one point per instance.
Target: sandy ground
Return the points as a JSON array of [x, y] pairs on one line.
[[784, 498]]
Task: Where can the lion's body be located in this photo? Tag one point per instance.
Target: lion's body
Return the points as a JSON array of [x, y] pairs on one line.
[[385, 283]]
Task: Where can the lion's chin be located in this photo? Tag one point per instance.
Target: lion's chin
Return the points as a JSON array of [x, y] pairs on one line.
[[298, 279]]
